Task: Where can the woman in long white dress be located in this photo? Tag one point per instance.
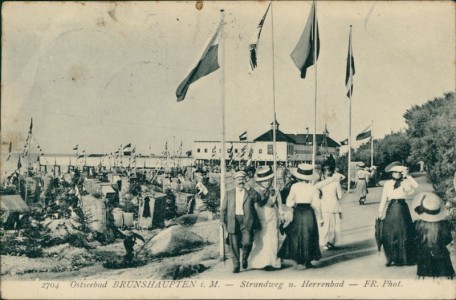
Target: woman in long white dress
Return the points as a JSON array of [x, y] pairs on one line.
[[266, 241], [330, 232]]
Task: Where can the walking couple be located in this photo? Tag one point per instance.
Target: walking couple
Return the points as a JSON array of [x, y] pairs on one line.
[[251, 219]]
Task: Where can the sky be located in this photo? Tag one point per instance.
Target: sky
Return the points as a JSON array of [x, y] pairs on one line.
[[105, 74]]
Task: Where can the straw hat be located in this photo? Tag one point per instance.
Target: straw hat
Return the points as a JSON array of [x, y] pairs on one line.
[[361, 165], [263, 173], [395, 167], [239, 174], [304, 171], [429, 207]]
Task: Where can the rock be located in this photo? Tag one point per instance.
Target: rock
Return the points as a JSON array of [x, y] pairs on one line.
[[176, 272], [187, 220], [172, 241], [205, 216]]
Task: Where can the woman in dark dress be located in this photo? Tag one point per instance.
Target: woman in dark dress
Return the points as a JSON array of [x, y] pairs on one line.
[[398, 229], [302, 241], [433, 234]]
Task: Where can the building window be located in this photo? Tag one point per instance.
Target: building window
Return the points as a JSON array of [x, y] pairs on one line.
[[270, 149], [235, 150], [205, 150], [198, 150], [260, 151]]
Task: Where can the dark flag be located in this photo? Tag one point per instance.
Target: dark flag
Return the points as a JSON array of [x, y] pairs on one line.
[[19, 165], [253, 46], [304, 52], [243, 136], [366, 133], [350, 68], [207, 64], [75, 147], [344, 142], [189, 153], [31, 125], [10, 147], [127, 149]]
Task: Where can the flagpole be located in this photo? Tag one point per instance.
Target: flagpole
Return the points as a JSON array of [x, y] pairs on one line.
[[314, 140], [349, 119], [222, 99], [372, 143], [274, 151]]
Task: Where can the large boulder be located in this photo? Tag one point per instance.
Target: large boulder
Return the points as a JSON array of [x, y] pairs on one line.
[[173, 241]]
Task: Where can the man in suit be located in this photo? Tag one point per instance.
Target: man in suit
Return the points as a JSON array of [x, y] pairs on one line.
[[239, 217]]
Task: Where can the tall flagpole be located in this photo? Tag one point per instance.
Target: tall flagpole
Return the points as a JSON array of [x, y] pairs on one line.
[[372, 143], [274, 150], [222, 99], [314, 140], [349, 119]]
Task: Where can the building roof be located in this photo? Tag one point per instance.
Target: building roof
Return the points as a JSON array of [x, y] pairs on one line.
[[280, 137], [301, 139]]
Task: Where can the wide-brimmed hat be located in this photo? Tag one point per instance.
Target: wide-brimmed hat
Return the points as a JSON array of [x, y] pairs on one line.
[[395, 167], [429, 207], [263, 173], [361, 165], [239, 174], [305, 172]]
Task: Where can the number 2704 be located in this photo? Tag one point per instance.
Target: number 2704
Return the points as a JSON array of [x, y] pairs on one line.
[[49, 285]]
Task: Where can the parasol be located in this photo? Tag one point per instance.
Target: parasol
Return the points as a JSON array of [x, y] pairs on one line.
[[379, 233]]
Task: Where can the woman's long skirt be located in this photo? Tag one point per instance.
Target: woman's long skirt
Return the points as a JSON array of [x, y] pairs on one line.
[[399, 234], [302, 241], [361, 189]]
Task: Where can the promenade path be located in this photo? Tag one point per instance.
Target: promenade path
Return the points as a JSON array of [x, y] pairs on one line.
[[358, 257]]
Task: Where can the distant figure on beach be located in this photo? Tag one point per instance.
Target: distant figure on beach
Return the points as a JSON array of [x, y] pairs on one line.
[[433, 234], [398, 237]]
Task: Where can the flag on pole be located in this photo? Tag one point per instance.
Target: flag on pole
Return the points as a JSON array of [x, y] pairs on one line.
[[31, 125], [243, 151], [207, 64], [350, 67], [214, 151], [366, 133], [253, 46], [303, 53], [344, 142], [243, 136], [19, 165], [326, 132], [10, 147], [189, 153], [76, 147], [127, 149]]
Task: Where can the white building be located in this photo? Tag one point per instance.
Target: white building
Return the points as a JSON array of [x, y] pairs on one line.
[[290, 148]]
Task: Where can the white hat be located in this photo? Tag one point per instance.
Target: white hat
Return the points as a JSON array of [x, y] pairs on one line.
[[263, 173], [395, 167], [304, 171], [239, 174], [429, 207]]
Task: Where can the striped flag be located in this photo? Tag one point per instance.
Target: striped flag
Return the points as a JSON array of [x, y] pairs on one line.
[[253, 46], [350, 67], [76, 147], [344, 142], [303, 54], [243, 136], [366, 133], [207, 64]]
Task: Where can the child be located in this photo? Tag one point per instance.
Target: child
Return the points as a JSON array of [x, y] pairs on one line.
[[433, 234]]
